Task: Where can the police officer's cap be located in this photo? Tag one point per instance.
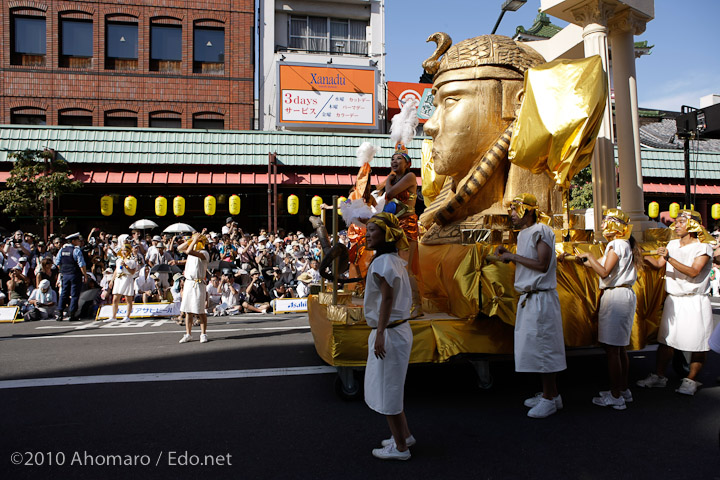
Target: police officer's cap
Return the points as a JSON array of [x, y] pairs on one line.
[[74, 236]]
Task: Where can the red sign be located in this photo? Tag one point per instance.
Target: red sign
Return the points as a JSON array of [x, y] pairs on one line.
[[398, 92]]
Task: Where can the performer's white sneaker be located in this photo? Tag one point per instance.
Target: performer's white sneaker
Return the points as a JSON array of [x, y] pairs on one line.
[[543, 409], [532, 401], [688, 387], [203, 338], [652, 381], [409, 441], [607, 400], [111, 319], [186, 338], [390, 452]]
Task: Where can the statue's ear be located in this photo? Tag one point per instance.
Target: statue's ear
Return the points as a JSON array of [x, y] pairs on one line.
[[513, 95]]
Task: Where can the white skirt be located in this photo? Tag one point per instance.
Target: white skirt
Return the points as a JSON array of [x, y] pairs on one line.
[[539, 341], [193, 297], [687, 323], [385, 378], [616, 315], [124, 285]]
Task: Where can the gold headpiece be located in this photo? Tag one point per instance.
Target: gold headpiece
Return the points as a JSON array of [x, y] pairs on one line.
[[523, 203], [391, 226], [694, 225], [512, 58], [616, 221]]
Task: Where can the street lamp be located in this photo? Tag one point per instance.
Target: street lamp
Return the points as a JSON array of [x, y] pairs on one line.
[[508, 5]]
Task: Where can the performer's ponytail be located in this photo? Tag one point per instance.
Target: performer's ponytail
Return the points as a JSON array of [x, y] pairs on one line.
[[636, 254]]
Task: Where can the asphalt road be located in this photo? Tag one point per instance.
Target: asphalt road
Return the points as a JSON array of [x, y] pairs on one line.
[[257, 402]]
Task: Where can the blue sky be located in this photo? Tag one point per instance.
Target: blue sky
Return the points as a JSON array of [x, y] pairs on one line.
[[684, 64]]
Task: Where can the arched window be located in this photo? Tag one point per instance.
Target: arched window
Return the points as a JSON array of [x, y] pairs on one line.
[[165, 44], [165, 119], [121, 118], [78, 117], [209, 120], [27, 37], [209, 47], [76, 40], [28, 116], [121, 42]]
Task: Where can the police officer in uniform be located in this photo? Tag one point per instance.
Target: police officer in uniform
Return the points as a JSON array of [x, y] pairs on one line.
[[71, 263]]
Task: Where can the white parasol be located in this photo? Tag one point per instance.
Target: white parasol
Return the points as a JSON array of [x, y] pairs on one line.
[[179, 228]]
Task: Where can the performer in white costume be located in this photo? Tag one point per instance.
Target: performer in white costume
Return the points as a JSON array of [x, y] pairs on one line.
[[194, 294], [123, 282], [687, 319], [539, 341], [618, 272], [388, 298]]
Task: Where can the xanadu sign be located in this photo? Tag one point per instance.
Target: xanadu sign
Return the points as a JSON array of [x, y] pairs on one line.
[[320, 95]]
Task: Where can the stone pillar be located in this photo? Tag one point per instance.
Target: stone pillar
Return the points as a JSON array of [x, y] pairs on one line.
[[593, 18], [622, 29]]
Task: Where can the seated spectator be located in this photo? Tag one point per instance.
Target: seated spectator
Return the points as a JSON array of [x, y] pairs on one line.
[[258, 297], [17, 288], [314, 271], [230, 301], [213, 293], [144, 284], [303, 288], [158, 292], [106, 289], [43, 302]]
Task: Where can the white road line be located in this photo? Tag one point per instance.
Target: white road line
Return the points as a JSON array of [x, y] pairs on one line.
[[174, 332], [165, 377]]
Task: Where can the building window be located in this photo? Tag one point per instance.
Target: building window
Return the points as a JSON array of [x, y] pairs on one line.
[[76, 43], [75, 117], [209, 121], [27, 116], [120, 118], [209, 50], [121, 46], [328, 35], [165, 120], [28, 41], [165, 48]]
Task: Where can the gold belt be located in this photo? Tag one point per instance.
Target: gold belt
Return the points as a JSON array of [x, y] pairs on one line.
[[531, 292]]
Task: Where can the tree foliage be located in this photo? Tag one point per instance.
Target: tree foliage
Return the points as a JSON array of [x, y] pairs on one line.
[[581, 193], [36, 177]]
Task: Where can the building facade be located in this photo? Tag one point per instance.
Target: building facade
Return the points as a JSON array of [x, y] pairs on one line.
[[170, 64], [322, 65]]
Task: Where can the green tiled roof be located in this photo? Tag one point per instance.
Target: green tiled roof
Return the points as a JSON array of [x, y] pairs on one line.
[[671, 164], [107, 145], [542, 27]]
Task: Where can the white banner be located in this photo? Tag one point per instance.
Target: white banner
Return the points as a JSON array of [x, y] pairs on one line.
[[327, 107], [8, 314], [141, 310], [290, 305]]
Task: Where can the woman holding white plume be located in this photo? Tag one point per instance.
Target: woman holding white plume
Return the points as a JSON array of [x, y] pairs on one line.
[[400, 188]]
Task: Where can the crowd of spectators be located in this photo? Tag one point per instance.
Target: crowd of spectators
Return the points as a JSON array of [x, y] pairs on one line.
[[246, 272]]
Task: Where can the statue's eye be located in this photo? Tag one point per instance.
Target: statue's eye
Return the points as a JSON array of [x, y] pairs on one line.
[[450, 101]]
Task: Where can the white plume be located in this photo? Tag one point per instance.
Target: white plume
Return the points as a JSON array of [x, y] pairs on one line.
[[365, 153], [354, 210], [404, 123]]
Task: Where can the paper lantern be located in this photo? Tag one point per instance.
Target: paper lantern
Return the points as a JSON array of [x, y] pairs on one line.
[[653, 209], [715, 211], [293, 204], [316, 205], [674, 210], [234, 205], [161, 206], [222, 198], [341, 200], [209, 205], [106, 205], [130, 205], [179, 206]]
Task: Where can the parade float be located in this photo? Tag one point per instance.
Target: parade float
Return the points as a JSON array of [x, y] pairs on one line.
[[506, 122]]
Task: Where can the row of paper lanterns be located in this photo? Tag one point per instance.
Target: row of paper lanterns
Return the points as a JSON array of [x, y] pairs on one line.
[[209, 205], [674, 209]]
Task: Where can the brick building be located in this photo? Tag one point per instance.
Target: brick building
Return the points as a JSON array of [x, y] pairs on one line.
[[169, 64]]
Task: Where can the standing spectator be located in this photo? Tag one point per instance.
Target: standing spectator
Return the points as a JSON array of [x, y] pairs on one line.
[[618, 272], [123, 282], [43, 301], [71, 263], [15, 248], [387, 310], [687, 318], [314, 271], [195, 292], [160, 256], [539, 341]]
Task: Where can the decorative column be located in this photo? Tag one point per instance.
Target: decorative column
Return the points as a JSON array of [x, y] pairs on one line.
[[593, 18], [622, 29]]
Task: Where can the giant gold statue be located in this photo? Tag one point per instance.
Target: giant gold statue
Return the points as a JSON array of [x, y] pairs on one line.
[[478, 89]]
